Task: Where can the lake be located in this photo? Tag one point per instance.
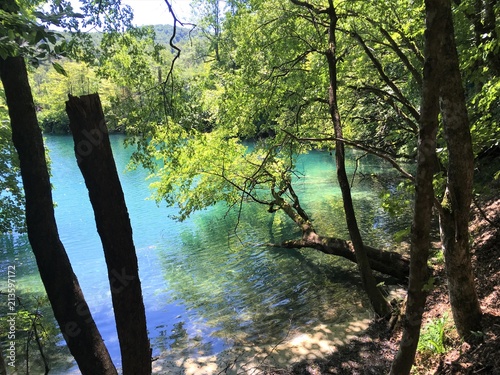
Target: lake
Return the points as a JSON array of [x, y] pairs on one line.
[[210, 284]]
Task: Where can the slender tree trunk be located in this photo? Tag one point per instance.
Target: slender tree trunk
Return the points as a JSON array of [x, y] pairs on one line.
[[424, 198], [379, 303], [95, 160], [70, 309], [455, 213]]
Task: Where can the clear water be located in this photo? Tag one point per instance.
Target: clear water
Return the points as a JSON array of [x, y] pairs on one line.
[[209, 283]]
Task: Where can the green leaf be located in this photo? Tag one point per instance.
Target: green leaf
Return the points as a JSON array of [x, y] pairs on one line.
[[44, 46], [429, 285], [4, 53], [59, 69], [39, 36], [52, 38]]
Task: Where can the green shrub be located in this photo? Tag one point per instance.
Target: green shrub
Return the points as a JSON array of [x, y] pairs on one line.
[[433, 336]]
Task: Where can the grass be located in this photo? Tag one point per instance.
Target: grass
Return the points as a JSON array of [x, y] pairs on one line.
[[433, 336]]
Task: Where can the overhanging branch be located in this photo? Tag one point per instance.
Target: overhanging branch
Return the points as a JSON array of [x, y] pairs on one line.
[[371, 150]]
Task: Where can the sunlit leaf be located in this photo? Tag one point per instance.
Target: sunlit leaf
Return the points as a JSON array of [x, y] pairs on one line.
[[59, 69]]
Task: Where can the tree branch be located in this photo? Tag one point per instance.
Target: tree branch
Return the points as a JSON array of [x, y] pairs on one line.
[[387, 262], [384, 77], [381, 154], [176, 56], [311, 7], [383, 94]]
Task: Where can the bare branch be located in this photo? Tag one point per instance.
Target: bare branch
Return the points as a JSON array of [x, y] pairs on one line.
[[391, 99], [176, 56], [308, 6], [384, 77], [381, 154]]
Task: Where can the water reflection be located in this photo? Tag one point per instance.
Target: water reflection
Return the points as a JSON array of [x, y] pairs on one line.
[[212, 291], [32, 309], [254, 294]]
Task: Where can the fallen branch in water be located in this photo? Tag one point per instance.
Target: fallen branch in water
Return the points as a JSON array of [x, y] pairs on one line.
[[387, 262]]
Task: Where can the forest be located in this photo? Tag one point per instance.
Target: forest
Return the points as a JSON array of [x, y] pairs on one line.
[[217, 113]]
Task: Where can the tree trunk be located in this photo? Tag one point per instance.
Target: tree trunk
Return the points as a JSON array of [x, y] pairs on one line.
[[386, 262], [379, 303], [95, 160], [424, 198], [455, 213], [66, 298]]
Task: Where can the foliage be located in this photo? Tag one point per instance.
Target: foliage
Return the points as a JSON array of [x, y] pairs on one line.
[[268, 76], [433, 336], [486, 116], [125, 74], [20, 34], [398, 199], [50, 92], [224, 170], [36, 333], [380, 93], [269, 81], [437, 258], [24, 32], [11, 196], [479, 50], [132, 62]]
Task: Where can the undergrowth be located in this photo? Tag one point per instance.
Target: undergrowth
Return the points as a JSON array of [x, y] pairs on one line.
[[433, 336]]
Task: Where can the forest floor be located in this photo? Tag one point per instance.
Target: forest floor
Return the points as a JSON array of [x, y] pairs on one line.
[[373, 351]]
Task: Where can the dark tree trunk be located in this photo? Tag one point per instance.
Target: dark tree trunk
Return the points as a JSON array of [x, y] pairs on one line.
[[66, 298], [455, 213], [379, 303], [95, 160], [424, 198]]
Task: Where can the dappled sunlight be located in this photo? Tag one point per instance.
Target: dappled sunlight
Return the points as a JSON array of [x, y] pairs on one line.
[[308, 343]]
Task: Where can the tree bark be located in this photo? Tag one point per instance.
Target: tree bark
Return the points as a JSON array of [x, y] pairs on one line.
[[66, 298], [455, 213], [95, 160], [378, 302], [386, 262], [424, 198]]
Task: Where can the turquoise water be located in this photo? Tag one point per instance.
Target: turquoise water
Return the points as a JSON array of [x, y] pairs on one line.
[[209, 283]]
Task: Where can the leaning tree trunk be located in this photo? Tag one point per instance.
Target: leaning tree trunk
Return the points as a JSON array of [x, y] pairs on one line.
[[95, 160], [387, 262], [66, 298], [455, 213], [424, 192], [379, 303]]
